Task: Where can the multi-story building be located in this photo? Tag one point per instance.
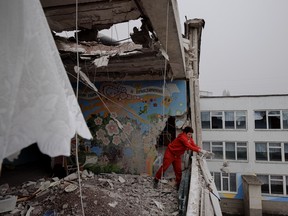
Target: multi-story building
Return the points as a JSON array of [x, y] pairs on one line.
[[248, 135]]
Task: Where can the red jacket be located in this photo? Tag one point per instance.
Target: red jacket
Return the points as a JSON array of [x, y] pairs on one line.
[[179, 145]]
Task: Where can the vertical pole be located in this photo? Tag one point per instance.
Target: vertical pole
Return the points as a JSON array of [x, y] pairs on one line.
[[192, 108], [194, 32]]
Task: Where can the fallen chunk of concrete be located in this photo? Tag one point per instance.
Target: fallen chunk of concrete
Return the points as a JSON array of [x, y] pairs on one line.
[[8, 204], [121, 179], [70, 188], [4, 188], [113, 204], [29, 211], [159, 205], [71, 177]]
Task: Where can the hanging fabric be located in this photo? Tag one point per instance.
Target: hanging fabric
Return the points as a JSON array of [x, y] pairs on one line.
[[37, 102]]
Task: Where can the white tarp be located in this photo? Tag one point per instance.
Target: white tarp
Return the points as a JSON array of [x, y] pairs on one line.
[[37, 102]]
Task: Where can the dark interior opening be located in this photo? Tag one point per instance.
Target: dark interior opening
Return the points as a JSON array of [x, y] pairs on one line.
[[30, 165], [168, 134]]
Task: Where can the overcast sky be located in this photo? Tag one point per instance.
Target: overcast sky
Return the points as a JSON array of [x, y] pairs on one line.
[[244, 45]]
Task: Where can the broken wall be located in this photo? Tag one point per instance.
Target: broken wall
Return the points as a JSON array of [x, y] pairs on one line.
[[125, 119]]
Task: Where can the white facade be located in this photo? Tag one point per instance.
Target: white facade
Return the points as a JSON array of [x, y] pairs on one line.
[[247, 137]]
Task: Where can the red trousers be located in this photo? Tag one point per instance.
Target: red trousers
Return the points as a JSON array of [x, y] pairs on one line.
[[169, 158]]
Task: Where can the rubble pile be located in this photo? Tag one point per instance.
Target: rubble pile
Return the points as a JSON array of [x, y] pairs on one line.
[[103, 194]]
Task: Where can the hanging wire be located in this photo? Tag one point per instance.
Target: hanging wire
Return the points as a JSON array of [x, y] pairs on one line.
[[164, 80], [128, 34], [117, 37], [111, 36], [116, 32], [77, 93], [100, 95], [128, 38]]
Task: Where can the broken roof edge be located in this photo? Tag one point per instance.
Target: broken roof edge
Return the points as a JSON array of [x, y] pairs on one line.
[[158, 16], [179, 36]]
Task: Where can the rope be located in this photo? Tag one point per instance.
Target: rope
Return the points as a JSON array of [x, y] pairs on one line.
[[77, 93], [164, 81]]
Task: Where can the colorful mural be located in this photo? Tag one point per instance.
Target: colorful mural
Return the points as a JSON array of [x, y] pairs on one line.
[[125, 120]]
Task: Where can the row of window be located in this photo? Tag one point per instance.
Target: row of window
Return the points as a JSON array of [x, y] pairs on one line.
[[223, 119], [272, 184], [264, 151], [263, 119], [227, 150], [273, 151]]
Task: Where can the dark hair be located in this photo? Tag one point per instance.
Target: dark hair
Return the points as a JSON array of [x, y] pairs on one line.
[[188, 130]]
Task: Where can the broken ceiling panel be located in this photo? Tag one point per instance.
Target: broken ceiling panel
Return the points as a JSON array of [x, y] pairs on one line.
[[92, 14], [97, 15], [127, 60], [94, 48]]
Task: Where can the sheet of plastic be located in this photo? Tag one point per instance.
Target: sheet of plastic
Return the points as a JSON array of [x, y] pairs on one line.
[[37, 102]]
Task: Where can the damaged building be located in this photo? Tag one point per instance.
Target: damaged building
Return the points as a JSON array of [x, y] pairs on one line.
[[135, 94]]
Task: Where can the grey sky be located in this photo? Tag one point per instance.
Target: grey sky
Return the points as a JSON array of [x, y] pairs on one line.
[[244, 45]]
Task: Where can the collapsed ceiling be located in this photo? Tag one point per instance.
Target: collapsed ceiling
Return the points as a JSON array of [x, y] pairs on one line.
[[156, 47]]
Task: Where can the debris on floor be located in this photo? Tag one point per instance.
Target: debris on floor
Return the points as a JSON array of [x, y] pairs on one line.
[[103, 194]]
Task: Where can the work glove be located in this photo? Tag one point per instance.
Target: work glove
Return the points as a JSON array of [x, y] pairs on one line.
[[205, 153]]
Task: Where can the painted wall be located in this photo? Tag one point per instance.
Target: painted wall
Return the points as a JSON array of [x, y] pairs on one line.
[[125, 121]]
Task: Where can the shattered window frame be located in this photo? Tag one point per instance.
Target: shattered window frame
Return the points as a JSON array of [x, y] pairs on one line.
[[271, 119], [216, 119], [241, 120], [224, 120]]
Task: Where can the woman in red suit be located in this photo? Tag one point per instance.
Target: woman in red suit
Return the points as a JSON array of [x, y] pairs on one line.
[[174, 152]]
